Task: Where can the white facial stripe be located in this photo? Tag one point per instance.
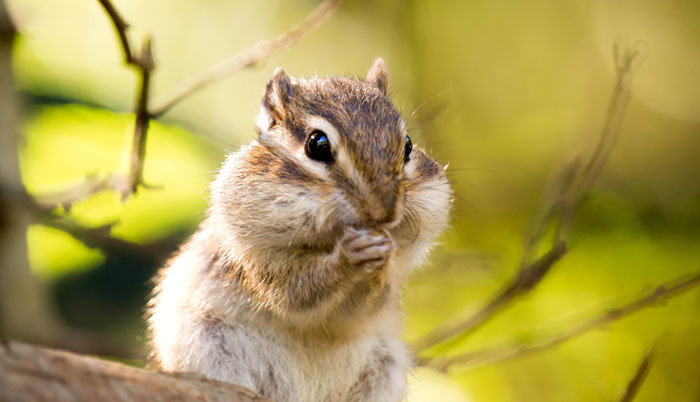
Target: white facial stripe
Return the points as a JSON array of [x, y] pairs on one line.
[[341, 156], [409, 169], [402, 127]]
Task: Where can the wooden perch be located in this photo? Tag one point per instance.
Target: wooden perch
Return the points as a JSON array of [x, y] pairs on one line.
[[30, 373]]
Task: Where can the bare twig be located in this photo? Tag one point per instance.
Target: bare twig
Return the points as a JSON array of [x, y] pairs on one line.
[[549, 209], [92, 184], [575, 181], [524, 281], [120, 26], [126, 184], [143, 118], [639, 376], [613, 120], [246, 58], [565, 196], [99, 237], [583, 182], [143, 61], [95, 237], [498, 354]]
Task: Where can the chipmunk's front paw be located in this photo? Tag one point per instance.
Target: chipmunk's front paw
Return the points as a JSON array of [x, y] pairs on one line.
[[366, 249]]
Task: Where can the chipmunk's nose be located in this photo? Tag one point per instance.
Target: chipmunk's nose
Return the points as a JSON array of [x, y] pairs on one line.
[[384, 204], [382, 208]]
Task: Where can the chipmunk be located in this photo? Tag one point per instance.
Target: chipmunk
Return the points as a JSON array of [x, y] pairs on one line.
[[290, 287]]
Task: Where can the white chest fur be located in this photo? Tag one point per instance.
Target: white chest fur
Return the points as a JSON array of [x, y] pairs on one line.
[[199, 328]]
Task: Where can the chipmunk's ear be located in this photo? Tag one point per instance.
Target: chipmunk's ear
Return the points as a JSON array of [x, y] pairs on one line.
[[277, 96], [378, 75]]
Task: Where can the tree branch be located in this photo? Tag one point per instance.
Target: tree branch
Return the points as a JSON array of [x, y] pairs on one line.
[[497, 354], [246, 58], [125, 184], [575, 180], [99, 237], [92, 184], [525, 280], [94, 237], [120, 26], [583, 179], [29, 373], [143, 118], [143, 61], [639, 376]]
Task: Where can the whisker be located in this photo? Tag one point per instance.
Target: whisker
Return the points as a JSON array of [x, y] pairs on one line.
[[485, 170], [210, 173], [413, 113]]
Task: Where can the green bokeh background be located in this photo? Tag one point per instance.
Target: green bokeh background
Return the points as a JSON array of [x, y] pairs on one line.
[[505, 91]]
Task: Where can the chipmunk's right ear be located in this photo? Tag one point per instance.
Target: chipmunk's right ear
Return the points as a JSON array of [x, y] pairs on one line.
[[277, 96], [378, 75]]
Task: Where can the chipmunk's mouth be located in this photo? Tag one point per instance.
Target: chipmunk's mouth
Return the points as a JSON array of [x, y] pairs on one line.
[[392, 224]]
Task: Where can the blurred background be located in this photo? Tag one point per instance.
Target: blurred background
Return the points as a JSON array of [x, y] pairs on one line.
[[505, 91]]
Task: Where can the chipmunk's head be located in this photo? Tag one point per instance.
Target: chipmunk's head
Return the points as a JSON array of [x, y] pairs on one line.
[[342, 131], [332, 152]]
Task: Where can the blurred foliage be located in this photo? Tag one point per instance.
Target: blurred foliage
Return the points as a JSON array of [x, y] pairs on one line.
[[505, 91]]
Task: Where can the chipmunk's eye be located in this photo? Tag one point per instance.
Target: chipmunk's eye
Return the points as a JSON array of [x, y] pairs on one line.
[[407, 148], [318, 147]]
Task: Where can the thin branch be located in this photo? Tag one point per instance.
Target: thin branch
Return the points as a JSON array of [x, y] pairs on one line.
[[524, 281], [94, 237], [143, 119], [92, 184], [613, 120], [498, 354], [125, 184], [143, 61], [575, 181], [549, 209], [246, 58], [587, 176], [565, 195], [99, 237], [639, 376], [120, 26]]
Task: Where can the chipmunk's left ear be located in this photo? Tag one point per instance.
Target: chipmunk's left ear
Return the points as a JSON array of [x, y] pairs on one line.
[[277, 96], [378, 75]]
